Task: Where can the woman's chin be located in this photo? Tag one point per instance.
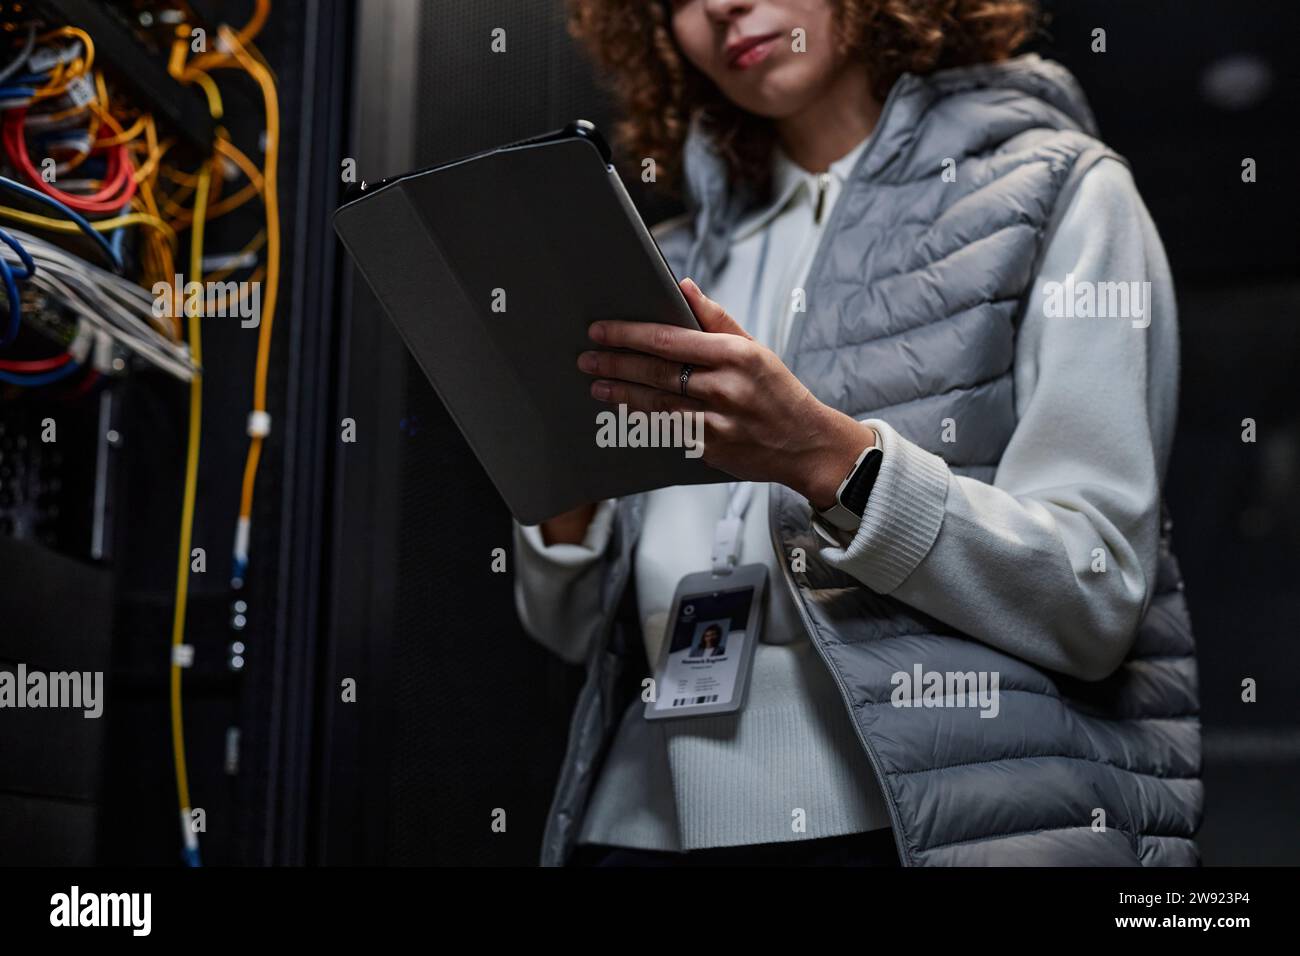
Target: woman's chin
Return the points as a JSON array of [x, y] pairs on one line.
[[774, 97], [769, 107]]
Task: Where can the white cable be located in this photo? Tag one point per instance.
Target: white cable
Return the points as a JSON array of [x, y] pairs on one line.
[[156, 350], [109, 302]]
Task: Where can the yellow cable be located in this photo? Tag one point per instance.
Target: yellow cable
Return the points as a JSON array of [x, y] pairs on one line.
[[99, 225], [226, 148], [156, 253], [156, 153], [254, 244], [102, 105], [178, 176], [177, 68], [213, 59], [79, 67], [42, 120], [210, 90], [136, 128], [265, 81], [187, 506], [174, 199], [271, 202], [180, 216]]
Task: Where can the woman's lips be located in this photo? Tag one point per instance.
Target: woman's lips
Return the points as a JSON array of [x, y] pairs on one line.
[[747, 53]]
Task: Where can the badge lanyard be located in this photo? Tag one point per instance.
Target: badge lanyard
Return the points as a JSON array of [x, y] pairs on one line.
[[727, 533], [730, 527]]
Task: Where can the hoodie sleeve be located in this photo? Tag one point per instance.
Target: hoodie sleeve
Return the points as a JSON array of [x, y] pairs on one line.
[[1055, 560], [557, 586]]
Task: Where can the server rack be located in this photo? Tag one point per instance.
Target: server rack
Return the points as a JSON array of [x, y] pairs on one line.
[[88, 540]]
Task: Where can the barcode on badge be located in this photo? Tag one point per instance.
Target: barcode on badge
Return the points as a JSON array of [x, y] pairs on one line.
[[694, 701]]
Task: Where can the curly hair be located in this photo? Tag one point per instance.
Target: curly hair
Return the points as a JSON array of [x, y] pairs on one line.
[[661, 92]]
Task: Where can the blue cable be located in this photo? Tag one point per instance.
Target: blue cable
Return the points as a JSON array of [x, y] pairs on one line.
[[67, 212], [29, 265], [118, 237], [42, 378], [15, 304]]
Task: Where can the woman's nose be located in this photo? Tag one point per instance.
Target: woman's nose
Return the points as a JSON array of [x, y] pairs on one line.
[[723, 10]]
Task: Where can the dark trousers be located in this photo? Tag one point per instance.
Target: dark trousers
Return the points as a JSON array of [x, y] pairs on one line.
[[875, 848]]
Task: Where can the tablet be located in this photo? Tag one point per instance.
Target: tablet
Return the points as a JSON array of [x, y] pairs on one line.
[[492, 267]]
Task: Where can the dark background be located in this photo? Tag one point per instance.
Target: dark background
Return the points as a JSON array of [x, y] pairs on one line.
[[372, 561]]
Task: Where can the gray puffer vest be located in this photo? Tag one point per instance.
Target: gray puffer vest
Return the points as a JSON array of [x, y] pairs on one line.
[[937, 273]]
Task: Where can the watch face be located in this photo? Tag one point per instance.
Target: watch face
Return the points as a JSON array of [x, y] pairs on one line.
[[863, 479]]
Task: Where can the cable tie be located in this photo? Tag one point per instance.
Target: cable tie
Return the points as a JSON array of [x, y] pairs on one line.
[[259, 424], [103, 358], [82, 343], [81, 91]]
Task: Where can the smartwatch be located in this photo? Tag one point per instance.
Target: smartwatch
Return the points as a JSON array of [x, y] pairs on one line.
[[851, 496]]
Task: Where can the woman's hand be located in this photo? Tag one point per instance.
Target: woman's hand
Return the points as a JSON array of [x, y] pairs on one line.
[[760, 422]]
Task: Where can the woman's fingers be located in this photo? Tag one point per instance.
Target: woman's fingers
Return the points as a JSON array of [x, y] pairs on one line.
[[632, 367], [658, 350], [642, 397], [667, 341], [704, 384], [711, 315]]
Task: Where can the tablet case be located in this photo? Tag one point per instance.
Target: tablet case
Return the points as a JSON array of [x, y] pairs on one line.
[[492, 267]]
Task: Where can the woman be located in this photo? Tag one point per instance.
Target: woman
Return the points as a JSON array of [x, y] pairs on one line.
[[912, 241], [709, 642]]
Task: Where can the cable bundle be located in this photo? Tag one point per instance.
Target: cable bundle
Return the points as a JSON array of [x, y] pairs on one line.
[[52, 94], [116, 307], [113, 185]]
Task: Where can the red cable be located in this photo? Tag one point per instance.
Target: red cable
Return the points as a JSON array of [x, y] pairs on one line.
[[35, 365], [16, 146], [113, 175], [120, 184]]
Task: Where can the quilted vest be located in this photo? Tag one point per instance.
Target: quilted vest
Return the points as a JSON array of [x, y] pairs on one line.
[[922, 278]]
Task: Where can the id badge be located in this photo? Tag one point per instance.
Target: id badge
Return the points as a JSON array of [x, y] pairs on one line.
[[714, 627]]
